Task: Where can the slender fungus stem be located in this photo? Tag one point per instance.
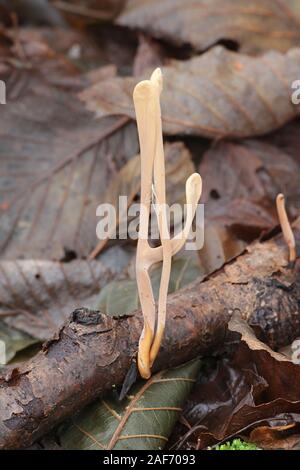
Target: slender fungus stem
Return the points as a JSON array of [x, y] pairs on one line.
[[161, 208], [145, 112], [286, 227], [146, 97]]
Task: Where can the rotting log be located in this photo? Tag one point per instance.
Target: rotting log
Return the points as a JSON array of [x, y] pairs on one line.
[[93, 351]]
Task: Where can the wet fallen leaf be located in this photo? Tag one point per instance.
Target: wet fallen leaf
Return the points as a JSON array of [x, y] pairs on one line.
[[141, 422], [249, 386], [149, 55], [251, 96]]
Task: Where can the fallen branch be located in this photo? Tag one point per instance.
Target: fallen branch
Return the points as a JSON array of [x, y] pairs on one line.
[[93, 351]]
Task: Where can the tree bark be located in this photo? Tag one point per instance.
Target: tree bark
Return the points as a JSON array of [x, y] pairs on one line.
[[93, 351]]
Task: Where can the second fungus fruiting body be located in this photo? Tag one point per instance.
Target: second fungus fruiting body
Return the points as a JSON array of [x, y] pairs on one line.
[[286, 227]]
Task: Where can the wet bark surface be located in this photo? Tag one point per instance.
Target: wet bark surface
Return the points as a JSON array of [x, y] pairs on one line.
[[93, 351]]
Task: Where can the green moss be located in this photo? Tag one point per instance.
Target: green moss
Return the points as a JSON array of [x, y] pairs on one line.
[[237, 444]]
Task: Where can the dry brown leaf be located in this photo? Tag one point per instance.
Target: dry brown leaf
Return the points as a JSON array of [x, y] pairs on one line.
[[55, 159], [255, 26], [88, 49], [285, 437], [149, 55], [38, 12], [27, 55], [29, 291], [249, 386], [287, 139], [242, 182], [247, 335], [73, 46], [79, 12], [217, 94], [49, 199]]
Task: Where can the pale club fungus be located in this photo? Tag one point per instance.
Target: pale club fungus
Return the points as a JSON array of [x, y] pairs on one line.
[[286, 228], [146, 97]]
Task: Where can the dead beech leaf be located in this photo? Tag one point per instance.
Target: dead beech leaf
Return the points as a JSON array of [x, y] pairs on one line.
[[143, 421], [75, 47], [255, 26], [55, 159], [50, 193], [246, 218], [287, 139], [149, 55], [79, 12], [36, 297], [218, 94], [251, 169], [30, 56], [38, 12], [249, 386], [242, 182]]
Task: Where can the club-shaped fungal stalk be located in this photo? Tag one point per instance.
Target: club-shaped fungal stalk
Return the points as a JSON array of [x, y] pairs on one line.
[[144, 103], [146, 98], [162, 219], [286, 227]]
